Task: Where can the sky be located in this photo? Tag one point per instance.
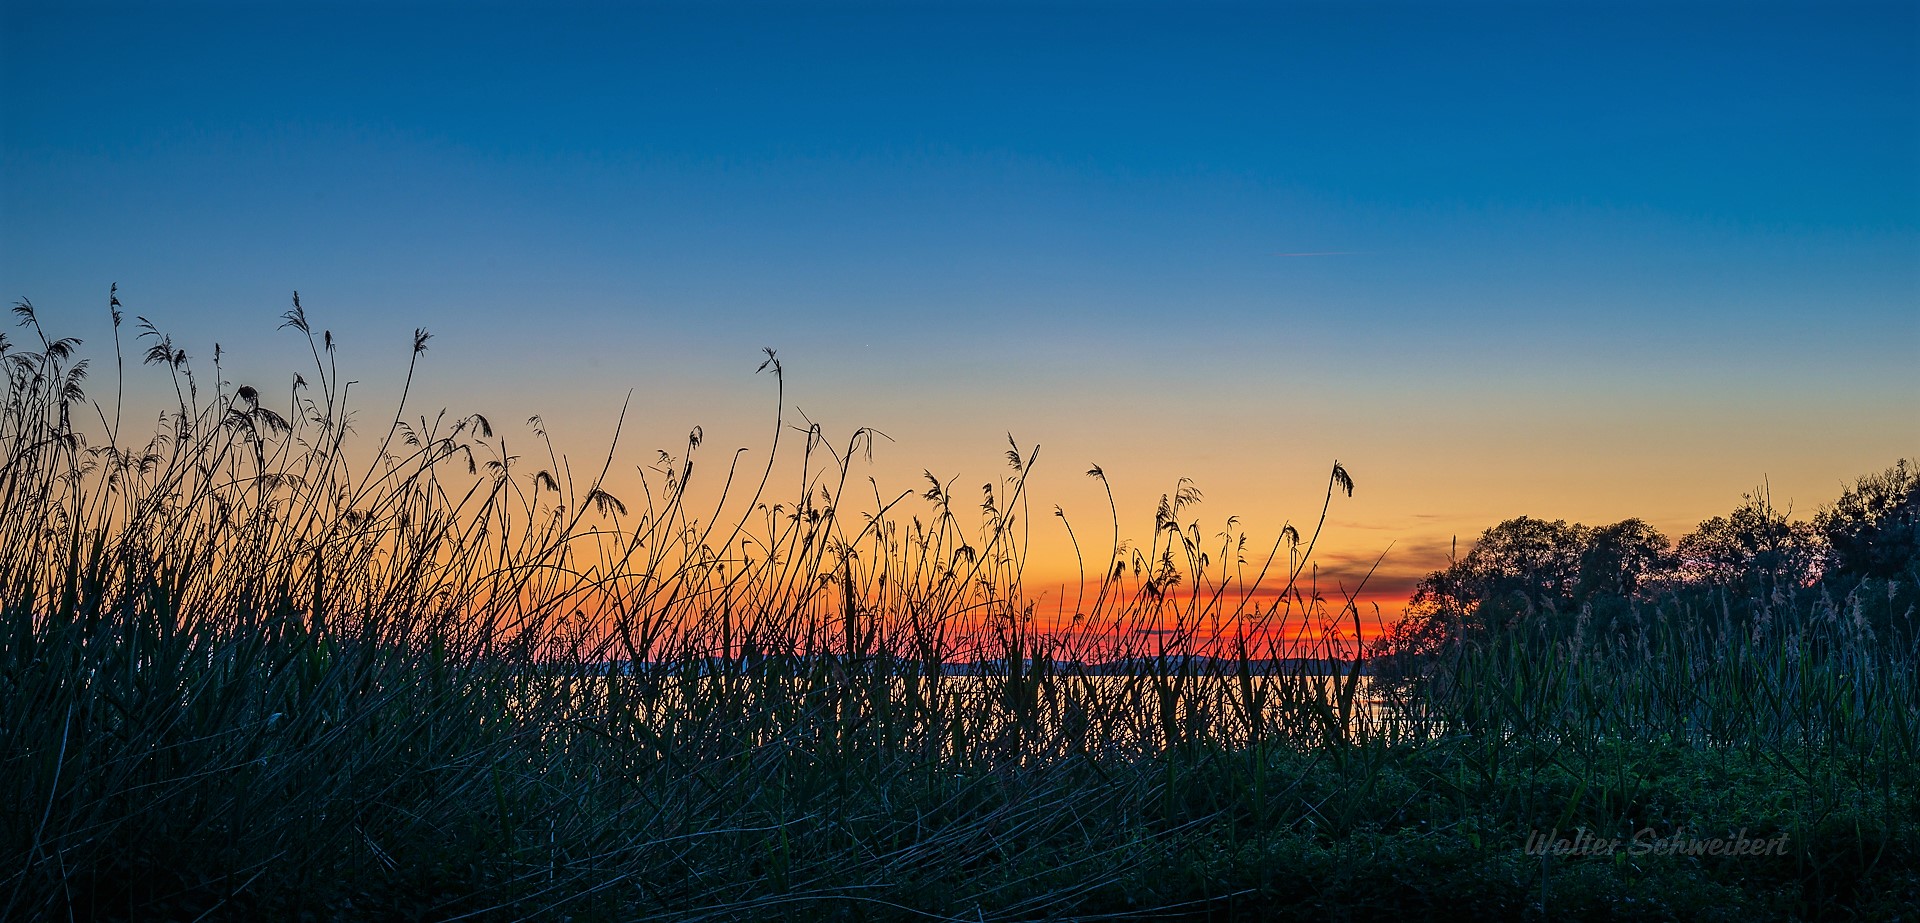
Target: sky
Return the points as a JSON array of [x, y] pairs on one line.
[[1576, 261]]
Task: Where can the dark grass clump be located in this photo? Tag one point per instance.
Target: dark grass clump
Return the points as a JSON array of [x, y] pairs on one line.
[[253, 667]]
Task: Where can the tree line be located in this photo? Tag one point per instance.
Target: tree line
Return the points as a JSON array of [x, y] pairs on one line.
[[1535, 574]]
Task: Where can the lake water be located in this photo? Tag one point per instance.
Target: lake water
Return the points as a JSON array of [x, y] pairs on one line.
[[1068, 713]]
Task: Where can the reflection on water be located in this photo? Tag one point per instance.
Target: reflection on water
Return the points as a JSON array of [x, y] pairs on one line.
[[1022, 716]]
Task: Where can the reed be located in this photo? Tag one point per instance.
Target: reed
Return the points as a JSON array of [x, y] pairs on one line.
[[252, 669]]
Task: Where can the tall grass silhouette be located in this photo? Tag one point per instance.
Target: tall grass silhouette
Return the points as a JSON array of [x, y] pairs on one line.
[[251, 668]]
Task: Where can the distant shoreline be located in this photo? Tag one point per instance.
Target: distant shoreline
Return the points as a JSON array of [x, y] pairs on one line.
[[1137, 666]]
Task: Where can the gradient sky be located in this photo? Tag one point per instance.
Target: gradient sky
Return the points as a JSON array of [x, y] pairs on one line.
[[1581, 261]]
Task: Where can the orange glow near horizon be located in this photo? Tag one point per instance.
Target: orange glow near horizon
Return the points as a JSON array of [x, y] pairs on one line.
[[1411, 511]]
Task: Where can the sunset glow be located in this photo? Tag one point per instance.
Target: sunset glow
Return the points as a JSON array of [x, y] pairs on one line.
[[1222, 245], [906, 460]]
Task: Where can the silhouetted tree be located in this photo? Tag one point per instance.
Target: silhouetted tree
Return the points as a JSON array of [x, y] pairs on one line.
[[1756, 542], [1618, 558], [1533, 560], [1873, 530], [1526, 566]]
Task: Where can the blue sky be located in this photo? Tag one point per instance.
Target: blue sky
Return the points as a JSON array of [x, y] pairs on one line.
[[1631, 253]]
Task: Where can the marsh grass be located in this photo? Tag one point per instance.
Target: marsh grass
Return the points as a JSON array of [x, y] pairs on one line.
[[252, 669]]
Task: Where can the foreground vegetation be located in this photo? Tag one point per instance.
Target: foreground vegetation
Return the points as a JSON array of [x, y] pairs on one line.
[[244, 676]]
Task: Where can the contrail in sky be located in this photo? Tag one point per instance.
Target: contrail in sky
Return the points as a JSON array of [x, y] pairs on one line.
[[1321, 253]]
